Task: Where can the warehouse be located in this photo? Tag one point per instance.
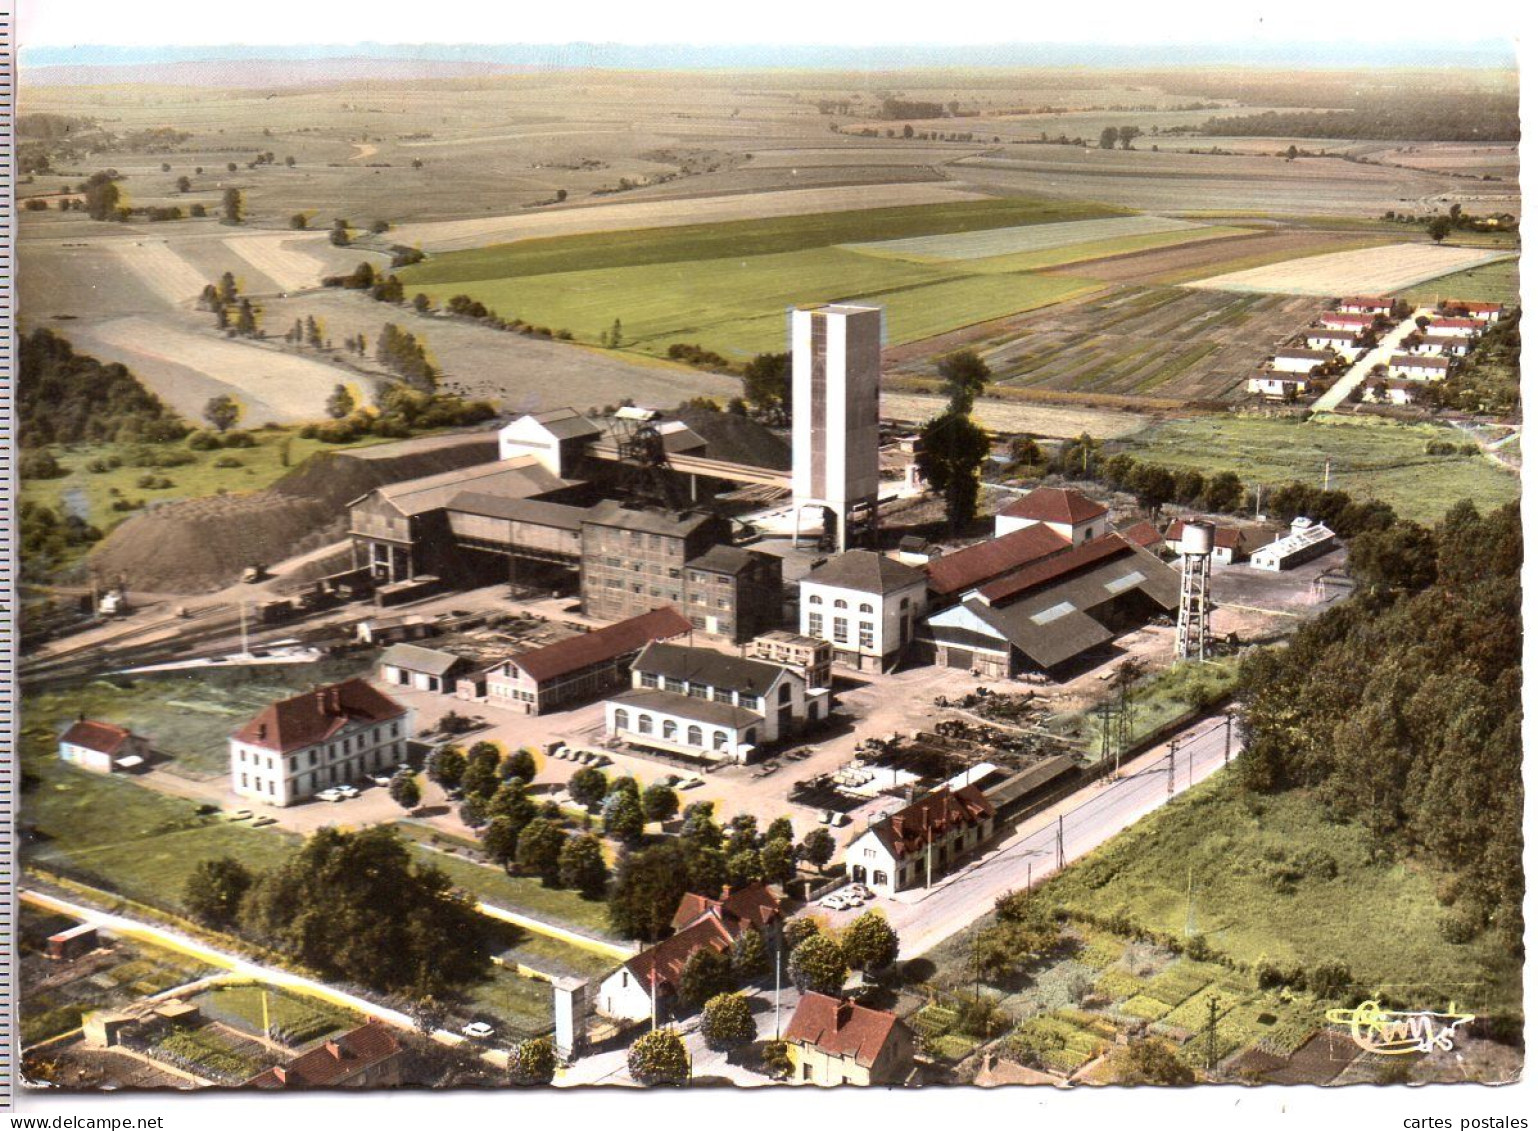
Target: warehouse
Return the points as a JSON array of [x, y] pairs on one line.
[[1044, 616], [1305, 541]]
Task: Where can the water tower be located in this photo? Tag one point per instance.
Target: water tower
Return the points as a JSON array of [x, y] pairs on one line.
[[1192, 633]]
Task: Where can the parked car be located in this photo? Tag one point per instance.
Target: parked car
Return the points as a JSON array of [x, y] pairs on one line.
[[691, 783], [238, 815], [263, 822], [825, 817], [382, 779], [333, 794], [348, 791], [835, 902], [861, 890], [478, 1031], [839, 820]]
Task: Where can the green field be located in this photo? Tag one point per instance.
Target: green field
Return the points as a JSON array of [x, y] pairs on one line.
[[1379, 918], [726, 286], [517, 1007], [91, 494], [246, 1007], [1368, 459], [1492, 282]]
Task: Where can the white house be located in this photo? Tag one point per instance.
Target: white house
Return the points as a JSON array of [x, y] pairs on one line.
[[1360, 305], [1278, 385], [102, 747], [1306, 540], [1354, 323], [916, 845], [1068, 513], [421, 669], [330, 736], [1227, 542], [1391, 392], [555, 438], [1337, 341], [647, 984], [1418, 368], [707, 704], [1453, 328], [1486, 312], [866, 605], [1300, 361]]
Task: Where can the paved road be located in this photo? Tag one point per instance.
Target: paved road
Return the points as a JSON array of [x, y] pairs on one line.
[[1379, 354], [923, 919]]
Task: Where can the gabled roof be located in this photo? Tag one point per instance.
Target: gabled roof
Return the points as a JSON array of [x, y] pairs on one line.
[[647, 521], [1142, 533], [725, 559], [1226, 537], [314, 716], [520, 478], [1055, 504], [567, 423], [333, 1062], [707, 666], [536, 512], [841, 1028], [866, 572], [1040, 573], [975, 565], [415, 658], [1305, 355], [1419, 361], [933, 815], [1458, 323], [701, 923], [753, 906], [706, 711], [104, 738], [607, 643]]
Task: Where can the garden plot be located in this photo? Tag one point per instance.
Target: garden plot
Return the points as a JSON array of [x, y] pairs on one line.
[[1379, 270], [1028, 238]]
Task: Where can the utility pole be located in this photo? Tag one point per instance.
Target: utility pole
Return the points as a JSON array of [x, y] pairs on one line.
[[1059, 842], [1327, 473], [1174, 745], [1105, 731], [1029, 864], [776, 989], [1212, 1032], [1228, 734], [245, 649]]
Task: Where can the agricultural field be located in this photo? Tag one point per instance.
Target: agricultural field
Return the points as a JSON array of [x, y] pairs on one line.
[[1381, 270], [249, 1008], [725, 287], [1491, 282], [1162, 342], [1369, 459], [1020, 417], [996, 243]]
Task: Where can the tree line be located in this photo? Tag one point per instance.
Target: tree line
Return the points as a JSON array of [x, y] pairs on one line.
[[67, 398]]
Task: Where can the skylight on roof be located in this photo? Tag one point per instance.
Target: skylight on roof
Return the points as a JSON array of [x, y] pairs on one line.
[[1056, 612], [1125, 582]]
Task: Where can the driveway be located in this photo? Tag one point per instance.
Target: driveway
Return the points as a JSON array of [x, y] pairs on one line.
[[1378, 355]]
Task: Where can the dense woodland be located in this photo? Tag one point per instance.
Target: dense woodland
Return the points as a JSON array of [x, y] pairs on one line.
[[69, 398], [1401, 709], [1470, 117]]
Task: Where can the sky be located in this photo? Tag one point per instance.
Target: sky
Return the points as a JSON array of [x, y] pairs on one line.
[[72, 31]]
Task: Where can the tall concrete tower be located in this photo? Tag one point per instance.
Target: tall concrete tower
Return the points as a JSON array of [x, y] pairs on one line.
[[835, 440]]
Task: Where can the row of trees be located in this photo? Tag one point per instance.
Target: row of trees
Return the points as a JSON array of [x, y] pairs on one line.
[[403, 354]]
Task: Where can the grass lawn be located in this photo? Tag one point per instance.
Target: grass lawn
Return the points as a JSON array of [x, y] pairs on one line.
[[1492, 282], [187, 715], [1368, 459], [1073, 253], [518, 1007], [516, 893], [91, 494], [1156, 701], [726, 286], [1380, 919], [303, 1019]]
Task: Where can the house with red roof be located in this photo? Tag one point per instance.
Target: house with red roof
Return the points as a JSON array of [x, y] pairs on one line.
[[581, 668], [955, 573], [646, 986], [1454, 328], [329, 736], [1486, 312], [102, 747], [832, 1041], [1227, 542], [920, 842], [370, 1056], [1062, 510]]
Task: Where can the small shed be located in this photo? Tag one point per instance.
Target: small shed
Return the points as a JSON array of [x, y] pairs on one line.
[[424, 669], [76, 941]]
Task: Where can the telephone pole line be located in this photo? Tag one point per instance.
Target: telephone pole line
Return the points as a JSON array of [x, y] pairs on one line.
[[1174, 745]]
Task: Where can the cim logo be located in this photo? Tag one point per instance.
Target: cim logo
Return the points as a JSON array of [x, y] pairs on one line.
[[1393, 1033]]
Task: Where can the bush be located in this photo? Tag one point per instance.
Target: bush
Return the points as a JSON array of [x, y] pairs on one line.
[[238, 439], [41, 465], [229, 461], [203, 440]]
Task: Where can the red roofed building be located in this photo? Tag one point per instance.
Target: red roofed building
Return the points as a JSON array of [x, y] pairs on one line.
[[580, 668], [650, 980], [1227, 542], [329, 736], [1454, 327], [102, 747], [368, 1057], [917, 844], [1358, 304], [1486, 312], [835, 1042], [1142, 533], [955, 573], [1063, 511]]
